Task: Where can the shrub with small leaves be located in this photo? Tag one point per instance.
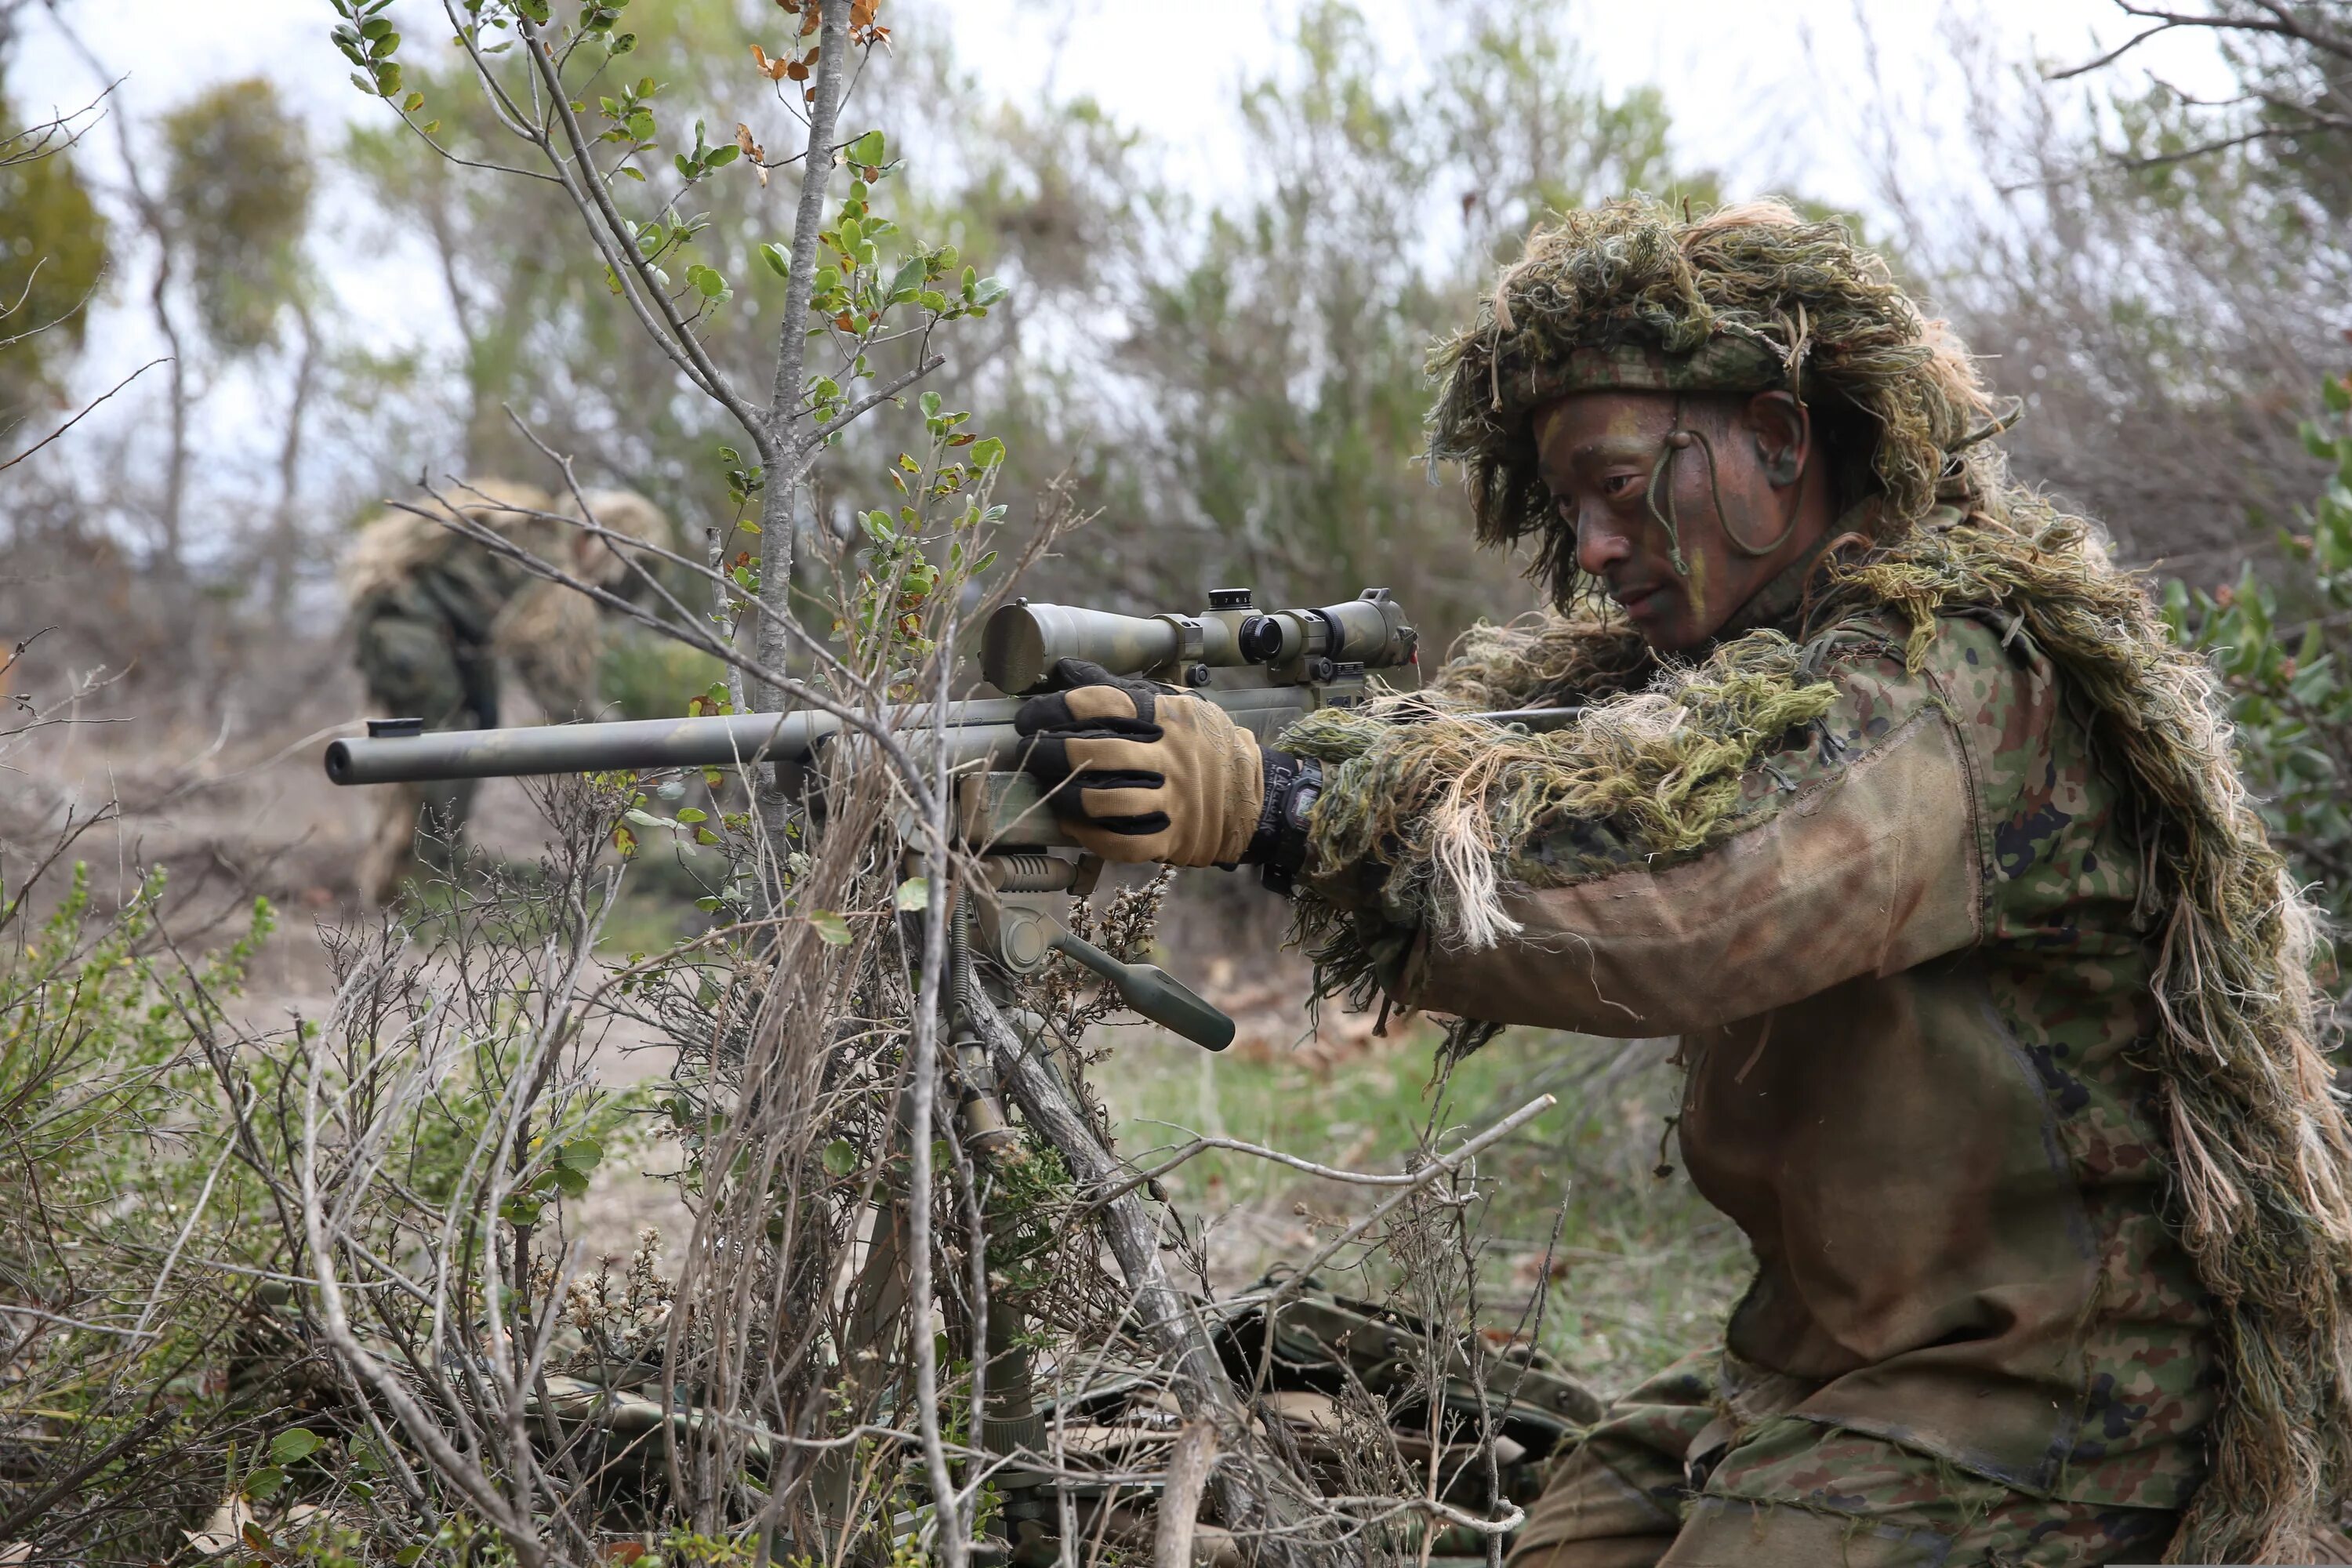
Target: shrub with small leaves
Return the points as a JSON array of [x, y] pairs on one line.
[[2285, 657]]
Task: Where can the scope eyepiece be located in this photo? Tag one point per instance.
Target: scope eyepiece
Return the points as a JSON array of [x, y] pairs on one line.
[[1259, 639], [1368, 630]]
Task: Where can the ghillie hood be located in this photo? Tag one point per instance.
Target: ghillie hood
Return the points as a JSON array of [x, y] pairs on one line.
[[1422, 823], [393, 546], [1749, 298]]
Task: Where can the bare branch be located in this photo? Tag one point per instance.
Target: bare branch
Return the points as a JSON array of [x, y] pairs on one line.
[[85, 413]]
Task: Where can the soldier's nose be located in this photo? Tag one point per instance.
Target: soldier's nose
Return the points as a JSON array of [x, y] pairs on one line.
[[1597, 546]]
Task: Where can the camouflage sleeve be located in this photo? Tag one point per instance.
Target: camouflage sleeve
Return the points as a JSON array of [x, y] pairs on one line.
[[1783, 820]]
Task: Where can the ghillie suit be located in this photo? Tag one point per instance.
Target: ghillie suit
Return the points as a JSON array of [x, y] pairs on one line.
[[2102, 919], [435, 613]]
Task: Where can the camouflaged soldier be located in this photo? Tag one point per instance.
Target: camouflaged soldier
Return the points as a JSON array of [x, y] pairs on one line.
[[434, 614], [1894, 800]]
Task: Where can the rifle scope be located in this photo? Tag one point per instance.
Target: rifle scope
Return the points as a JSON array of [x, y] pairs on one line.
[[1369, 630], [1022, 642]]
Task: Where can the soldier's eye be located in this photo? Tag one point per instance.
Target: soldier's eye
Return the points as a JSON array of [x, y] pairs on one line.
[[1617, 487]]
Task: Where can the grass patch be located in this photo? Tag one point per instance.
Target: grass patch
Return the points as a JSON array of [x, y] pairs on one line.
[[1644, 1269]]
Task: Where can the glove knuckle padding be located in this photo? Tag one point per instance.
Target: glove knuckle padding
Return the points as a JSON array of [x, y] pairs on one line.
[[1089, 704], [1142, 774]]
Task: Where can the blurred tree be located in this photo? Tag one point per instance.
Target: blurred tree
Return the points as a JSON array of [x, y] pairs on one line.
[[1277, 376], [2159, 279], [236, 195], [53, 253], [1236, 382], [238, 192]]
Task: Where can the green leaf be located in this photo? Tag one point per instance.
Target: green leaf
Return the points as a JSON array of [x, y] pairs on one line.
[[720, 157], [831, 927], [778, 262], [868, 149], [416, 101], [264, 1483], [581, 1153], [909, 276], [294, 1444], [692, 814], [840, 1157], [574, 1183], [409, 1556], [987, 452], [914, 893], [518, 1210], [2337, 391], [988, 291]]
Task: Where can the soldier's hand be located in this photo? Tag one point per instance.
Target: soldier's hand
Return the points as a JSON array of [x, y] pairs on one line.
[[1137, 772]]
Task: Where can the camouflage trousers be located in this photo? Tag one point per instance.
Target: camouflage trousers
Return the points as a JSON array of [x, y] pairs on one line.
[[1790, 1493]]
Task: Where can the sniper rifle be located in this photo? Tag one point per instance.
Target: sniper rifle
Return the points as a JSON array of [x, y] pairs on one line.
[[1265, 669]]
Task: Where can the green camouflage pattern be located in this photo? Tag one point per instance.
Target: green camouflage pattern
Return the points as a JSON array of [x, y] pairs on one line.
[[423, 644], [1789, 1493], [2107, 1408], [2065, 952]]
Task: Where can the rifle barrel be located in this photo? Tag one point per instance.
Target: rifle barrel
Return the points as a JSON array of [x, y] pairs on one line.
[[978, 730]]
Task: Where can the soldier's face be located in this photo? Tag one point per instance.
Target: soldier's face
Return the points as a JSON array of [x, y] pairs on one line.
[[1598, 452]]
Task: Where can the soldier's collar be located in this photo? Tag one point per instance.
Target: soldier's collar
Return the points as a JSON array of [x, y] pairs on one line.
[[1779, 603]]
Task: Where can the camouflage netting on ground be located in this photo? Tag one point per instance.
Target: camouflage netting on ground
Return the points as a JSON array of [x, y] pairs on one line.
[[1420, 822]]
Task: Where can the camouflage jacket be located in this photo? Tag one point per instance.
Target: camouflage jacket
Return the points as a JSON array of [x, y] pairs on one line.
[[426, 644], [1908, 984]]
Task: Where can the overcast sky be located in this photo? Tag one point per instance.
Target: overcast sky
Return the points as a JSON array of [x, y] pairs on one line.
[[1774, 97], [1722, 63]]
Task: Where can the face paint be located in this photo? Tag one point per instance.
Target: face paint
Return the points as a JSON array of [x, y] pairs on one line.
[[1665, 501]]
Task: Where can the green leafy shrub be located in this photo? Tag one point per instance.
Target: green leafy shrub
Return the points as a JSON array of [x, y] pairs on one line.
[[2284, 656]]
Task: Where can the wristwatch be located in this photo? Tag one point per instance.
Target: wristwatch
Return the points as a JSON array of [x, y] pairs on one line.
[[1278, 847]]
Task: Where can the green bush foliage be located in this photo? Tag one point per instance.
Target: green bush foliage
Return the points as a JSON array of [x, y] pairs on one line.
[[2284, 651]]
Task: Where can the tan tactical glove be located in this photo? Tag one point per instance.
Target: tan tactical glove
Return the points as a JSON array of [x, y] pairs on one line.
[[1137, 772]]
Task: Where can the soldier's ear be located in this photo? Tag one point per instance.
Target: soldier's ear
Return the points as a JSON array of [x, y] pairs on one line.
[[1783, 431]]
